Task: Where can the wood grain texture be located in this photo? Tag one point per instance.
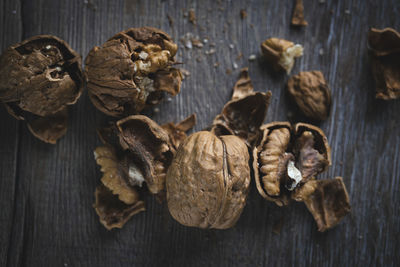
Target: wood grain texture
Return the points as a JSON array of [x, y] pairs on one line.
[[46, 192]]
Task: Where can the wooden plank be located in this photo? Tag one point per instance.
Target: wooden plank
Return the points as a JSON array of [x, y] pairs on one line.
[[54, 223], [11, 30]]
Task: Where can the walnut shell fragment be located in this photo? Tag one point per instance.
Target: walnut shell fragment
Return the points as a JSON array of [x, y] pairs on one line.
[[281, 53], [116, 201], [327, 200], [287, 157], [298, 14], [131, 71], [384, 47], [208, 181], [311, 93], [39, 78], [244, 113], [137, 150]]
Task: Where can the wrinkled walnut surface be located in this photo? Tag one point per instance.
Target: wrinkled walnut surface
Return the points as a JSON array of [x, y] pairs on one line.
[[283, 152], [298, 14], [39, 78], [281, 53], [208, 181], [132, 70], [311, 93], [384, 46], [243, 115]]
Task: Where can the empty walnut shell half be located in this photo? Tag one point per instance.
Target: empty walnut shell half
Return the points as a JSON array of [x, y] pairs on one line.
[[327, 200], [244, 113], [39, 78], [131, 71], [311, 93], [287, 157], [384, 46], [208, 181], [281, 53]]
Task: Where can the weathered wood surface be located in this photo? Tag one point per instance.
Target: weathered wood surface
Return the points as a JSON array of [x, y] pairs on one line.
[[46, 192]]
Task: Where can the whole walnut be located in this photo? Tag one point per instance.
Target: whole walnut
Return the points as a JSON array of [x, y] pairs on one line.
[[39, 78], [208, 181], [131, 71]]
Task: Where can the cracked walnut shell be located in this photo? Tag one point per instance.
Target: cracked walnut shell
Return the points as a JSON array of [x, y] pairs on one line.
[[243, 115], [132, 70], [384, 46], [208, 181], [39, 78], [288, 157]]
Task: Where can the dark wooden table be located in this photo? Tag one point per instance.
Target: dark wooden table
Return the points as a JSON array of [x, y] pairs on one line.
[[46, 191]]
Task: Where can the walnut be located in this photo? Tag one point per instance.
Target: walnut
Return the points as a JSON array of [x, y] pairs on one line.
[[298, 14], [131, 71], [286, 162], [281, 53], [287, 157], [137, 151], [327, 200], [311, 93], [39, 78], [116, 201], [244, 113], [384, 46], [208, 181]]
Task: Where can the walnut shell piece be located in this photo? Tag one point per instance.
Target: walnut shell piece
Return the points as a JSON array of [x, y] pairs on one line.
[[131, 71], [244, 113], [287, 157], [298, 14], [137, 150], [39, 78], [384, 46], [208, 181], [311, 93], [116, 200], [327, 200], [281, 53]]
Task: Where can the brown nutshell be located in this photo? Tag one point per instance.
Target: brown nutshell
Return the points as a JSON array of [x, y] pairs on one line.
[[244, 113], [311, 93], [384, 47], [298, 14], [132, 70], [327, 200], [137, 151], [39, 78], [208, 181]]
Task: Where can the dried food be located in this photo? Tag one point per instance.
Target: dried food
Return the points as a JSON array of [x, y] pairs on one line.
[[311, 93], [208, 181], [244, 113], [137, 150], [286, 162], [281, 53], [132, 70], [287, 157], [298, 14], [384, 46], [327, 200], [39, 78]]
